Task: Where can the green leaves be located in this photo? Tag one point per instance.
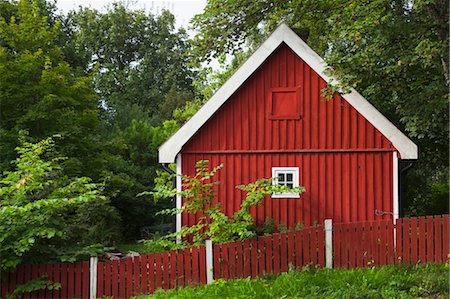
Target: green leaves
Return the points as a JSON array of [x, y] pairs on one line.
[[33, 199]]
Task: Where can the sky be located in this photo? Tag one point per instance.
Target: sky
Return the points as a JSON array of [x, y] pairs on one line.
[[183, 10]]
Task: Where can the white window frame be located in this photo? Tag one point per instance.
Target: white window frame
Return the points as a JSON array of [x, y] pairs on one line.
[[295, 180]]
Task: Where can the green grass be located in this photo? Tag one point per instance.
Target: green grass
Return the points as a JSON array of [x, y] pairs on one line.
[[418, 281]]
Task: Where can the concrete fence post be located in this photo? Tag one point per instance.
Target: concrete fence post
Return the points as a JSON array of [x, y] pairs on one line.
[[93, 277], [329, 243], [209, 262]]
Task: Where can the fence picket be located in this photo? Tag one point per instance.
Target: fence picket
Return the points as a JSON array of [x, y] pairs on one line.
[[247, 258], [239, 260], [430, 239], [414, 255], [445, 233], [437, 239], [261, 256], [203, 269]]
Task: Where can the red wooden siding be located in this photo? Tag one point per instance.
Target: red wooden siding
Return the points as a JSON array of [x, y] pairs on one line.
[[343, 186], [345, 163], [243, 123]]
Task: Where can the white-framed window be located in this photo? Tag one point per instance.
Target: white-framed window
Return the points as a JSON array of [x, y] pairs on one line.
[[286, 176]]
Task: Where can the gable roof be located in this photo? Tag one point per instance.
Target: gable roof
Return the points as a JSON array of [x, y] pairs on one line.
[[169, 150]]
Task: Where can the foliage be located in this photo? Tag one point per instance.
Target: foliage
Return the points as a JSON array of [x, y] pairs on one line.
[[417, 281], [142, 68], [34, 198], [199, 194], [41, 93], [33, 285], [395, 53]]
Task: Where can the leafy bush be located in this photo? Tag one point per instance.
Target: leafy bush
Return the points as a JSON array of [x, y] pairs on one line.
[[213, 224], [35, 200]]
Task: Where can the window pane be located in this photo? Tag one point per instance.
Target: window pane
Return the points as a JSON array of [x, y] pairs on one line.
[[281, 177], [290, 185], [289, 177]]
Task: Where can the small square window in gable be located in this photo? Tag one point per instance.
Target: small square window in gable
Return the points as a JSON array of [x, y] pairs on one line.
[[285, 103]]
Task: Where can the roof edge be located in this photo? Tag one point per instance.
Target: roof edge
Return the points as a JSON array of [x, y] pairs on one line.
[[168, 151]]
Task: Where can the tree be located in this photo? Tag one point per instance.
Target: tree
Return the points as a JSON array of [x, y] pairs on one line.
[[395, 53], [34, 199], [140, 58], [41, 93]]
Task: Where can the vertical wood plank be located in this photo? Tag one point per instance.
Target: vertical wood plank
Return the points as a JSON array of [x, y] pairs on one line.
[[71, 280], [430, 239], [414, 253], [320, 245], [306, 252], [438, 239], [195, 275], [239, 260], [107, 275], [406, 241], [115, 278], [298, 249], [445, 233], [422, 240], [291, 248], [100, 278], [137, 288], [276, 253], [261, 256], [247, 258], [122, 278], [203, 265], [254, 256], [165, 270], [180, 268], [390, 242], [158, 270], [144, 274], [231, 260], [337, 236], [283, 252], [129, 276], [187, 266], [217, 256], [398, 241], [151, 272]]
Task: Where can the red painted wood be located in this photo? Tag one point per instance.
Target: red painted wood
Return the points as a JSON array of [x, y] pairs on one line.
[[137, 275], [337, 239], [247, 258], [414, 251], [232, 260], [430, 239], [283, 252], [47, 271], [276, 253], [78, 279], [225, 261], [203, 264], [195, 276], [320, 245], [445, 233], [115, 283], [106, 291], [144, 274], [85, 269], [340, 185], [180, 268], [383, 242], [254, 256], [261, 257], [422, 240], [306, 248], [399, 240], [63, 290], [239, 260], [291, 248], [151, 272], [187, 266], [129, 276], [217, 261], [438, 239], [122, 278], [165, 270], [390, 242], [70, 280], [406, 241], [352, 235], [298, 249], [158, 270]]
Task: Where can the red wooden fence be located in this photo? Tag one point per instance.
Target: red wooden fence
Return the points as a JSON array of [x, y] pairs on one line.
[[269, 254], [411, 240]]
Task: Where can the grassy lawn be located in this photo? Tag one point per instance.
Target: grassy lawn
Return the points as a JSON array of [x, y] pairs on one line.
[[418, 281]]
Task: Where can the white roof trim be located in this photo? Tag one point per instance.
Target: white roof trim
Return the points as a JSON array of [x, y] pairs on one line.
[[169, 150]]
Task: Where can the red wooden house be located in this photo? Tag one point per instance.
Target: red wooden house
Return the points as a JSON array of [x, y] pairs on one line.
[[269, 120]]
